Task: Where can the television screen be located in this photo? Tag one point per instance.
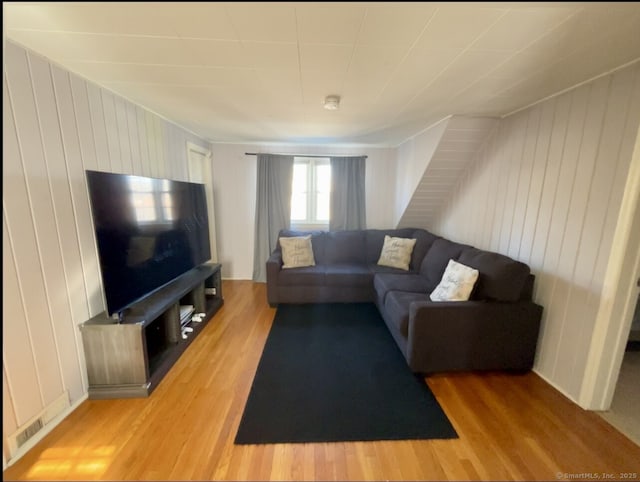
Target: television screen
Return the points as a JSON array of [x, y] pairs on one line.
[[149, 231]]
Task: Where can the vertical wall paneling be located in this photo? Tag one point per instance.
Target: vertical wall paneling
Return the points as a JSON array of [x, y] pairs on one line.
[[566, 284], [538, 175], [17, 353], [491, 179], [169, 142], [524, 182], [99, 127], [123, 134], [84, 267], [569, 157], [501, 186], [158, 147], [79, 92], [512, 174], [39, 236], [143, 142], [64, 308], [134, 141], [56, 125], [556, 278], [154, 165], [111, 124]]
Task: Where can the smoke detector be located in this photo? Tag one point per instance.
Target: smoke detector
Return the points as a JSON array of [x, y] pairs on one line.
[[332, 102]]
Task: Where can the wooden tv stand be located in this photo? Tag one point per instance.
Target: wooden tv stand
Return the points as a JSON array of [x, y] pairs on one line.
[[128, 359]]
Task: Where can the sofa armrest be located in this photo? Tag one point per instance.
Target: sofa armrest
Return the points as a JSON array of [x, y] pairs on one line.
[[472, 335], [274, 265]]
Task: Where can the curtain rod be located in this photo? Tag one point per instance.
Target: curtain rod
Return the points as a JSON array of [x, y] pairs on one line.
[[299, 155]]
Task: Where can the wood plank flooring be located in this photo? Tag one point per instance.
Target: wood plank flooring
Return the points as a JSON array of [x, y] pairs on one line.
[[511, 427]]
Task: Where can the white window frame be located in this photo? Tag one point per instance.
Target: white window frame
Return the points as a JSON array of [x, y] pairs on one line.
[[311, 223]]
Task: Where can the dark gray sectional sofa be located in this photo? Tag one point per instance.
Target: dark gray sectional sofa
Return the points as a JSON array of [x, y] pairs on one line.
[[497, 329]]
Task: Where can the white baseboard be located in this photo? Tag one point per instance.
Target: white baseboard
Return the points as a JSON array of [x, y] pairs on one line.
[[556, 387]]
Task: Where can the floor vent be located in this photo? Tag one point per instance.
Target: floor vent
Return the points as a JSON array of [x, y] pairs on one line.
[[29, 432]]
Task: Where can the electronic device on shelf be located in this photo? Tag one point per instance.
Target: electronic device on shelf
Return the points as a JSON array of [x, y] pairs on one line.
[[186, 313]]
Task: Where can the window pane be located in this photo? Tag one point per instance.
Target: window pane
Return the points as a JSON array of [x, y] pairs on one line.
[[322, 207], [323, 178], [299, 207], [299, 178], [167, 206]]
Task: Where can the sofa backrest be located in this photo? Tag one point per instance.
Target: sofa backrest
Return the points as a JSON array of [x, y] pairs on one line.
[[375, 241], [345, 247], [424, 241], [501, 278], [437, 259], [318, 242], [361, 246]]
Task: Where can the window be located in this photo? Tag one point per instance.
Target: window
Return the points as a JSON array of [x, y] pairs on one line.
[[310, 193], [151, 205]]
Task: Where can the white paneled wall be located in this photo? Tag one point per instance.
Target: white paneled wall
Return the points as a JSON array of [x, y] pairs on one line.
[[547, 190], [412, 159], [235, 195], [56, 125]]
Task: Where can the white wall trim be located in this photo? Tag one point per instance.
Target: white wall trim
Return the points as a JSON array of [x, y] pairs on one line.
[[618, 298], [554, 385]]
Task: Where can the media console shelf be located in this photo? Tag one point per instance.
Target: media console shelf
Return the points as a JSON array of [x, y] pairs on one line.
[[129, 358]]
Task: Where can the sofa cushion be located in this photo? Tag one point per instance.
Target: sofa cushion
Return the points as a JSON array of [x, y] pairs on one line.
[[318, 241], [501, 278], [384, 283], [348, 275], [456, 284], [343, 247], [396, 252], [310, 275], [436, 260], [397, 305], [375, 239], [296, 252]]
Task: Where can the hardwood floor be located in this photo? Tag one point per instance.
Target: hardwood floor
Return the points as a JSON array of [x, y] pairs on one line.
[[510, 427]]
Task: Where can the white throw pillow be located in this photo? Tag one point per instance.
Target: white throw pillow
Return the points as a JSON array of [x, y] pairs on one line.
[[456, 284], [297, 252], [396, 252]]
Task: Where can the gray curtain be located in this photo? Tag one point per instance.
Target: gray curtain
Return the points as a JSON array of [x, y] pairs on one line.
[[273, 207], [347, 193]]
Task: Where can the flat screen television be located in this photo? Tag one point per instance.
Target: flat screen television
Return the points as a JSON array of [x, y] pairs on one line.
[[149, 232]]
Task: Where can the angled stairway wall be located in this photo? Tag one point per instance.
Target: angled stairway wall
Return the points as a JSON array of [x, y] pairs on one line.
[[431, 163]]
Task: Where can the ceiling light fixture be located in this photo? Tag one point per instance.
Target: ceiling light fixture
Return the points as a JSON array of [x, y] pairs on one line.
[[332, 102]]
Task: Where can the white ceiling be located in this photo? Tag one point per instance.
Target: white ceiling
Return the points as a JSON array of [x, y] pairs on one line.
[[258, 72]]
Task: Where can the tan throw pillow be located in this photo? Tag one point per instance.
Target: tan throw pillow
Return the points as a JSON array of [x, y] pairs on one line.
[[456, 284], [396, 252], [297, 252]]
